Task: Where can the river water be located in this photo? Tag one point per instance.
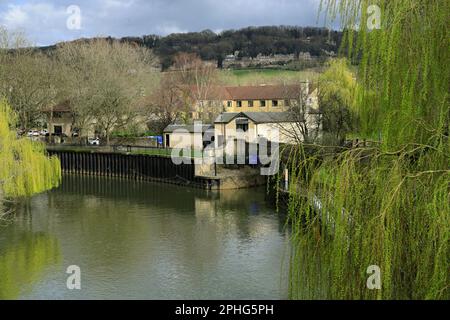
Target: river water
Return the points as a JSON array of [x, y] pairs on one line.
[[139, 240]]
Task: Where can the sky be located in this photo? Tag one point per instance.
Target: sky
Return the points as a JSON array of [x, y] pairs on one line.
[[47, 22]]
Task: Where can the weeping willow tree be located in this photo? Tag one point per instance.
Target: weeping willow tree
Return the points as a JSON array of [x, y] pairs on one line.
[[386, 203], [338, 87], [24, 167]]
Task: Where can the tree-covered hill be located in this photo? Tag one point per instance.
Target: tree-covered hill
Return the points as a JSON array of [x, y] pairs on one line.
[[249, 42]]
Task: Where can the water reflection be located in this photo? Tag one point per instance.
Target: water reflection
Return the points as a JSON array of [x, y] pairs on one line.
[[24, 260], [153, 241]]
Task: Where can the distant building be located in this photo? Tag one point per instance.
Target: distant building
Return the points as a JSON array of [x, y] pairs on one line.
[[262, 98], [260, 61], [60, 119]]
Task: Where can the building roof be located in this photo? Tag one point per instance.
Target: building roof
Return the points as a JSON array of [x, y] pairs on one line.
[[61, 107], [256, 117], [261, 92], [211, 93], [187, 127]]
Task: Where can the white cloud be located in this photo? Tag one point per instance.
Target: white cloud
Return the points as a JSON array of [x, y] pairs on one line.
[[41, 21], [169, 28], [14, 17], [118, 3], [44, 21]]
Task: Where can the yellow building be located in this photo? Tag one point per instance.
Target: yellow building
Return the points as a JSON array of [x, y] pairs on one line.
[[262, 98], [259, 98]]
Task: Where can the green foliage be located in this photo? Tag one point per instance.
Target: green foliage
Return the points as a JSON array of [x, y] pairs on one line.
[[338, 88], [25, 169], [387, 204], [249, 42]]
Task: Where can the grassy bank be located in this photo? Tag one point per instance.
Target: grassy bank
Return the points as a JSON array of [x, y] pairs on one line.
[[265, 76]]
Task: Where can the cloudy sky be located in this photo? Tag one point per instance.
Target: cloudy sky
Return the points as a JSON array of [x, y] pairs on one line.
[[49, 21]]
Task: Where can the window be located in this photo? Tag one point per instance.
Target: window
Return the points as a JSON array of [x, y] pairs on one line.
[[167, 140], [250, 104], [242, 124], [287, 103], [229, 104], [263, 103], [242, 127], [220, 141], [239, 104], [274, 103], [57, 130], [208, 139]]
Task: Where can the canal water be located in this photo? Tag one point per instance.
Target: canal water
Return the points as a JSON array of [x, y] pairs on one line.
[[139, 240]]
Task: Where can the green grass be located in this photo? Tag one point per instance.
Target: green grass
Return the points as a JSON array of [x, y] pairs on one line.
[[166, 153], [134, 151], [265, 76], [153, 152]]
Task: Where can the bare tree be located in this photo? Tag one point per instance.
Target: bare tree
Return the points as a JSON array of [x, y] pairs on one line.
[[104, 81], [13, 39], [306, 121], [201, 79], [168, 104], [26, 78]]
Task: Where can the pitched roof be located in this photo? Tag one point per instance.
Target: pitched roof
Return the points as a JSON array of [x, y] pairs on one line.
[[211, 93], [256, 117], [263, 92], [226, 117], [61, 107], [187, 127]]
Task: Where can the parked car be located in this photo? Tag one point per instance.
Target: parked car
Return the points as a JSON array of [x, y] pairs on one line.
[[33, 133], [94, 141], [44, 132]]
